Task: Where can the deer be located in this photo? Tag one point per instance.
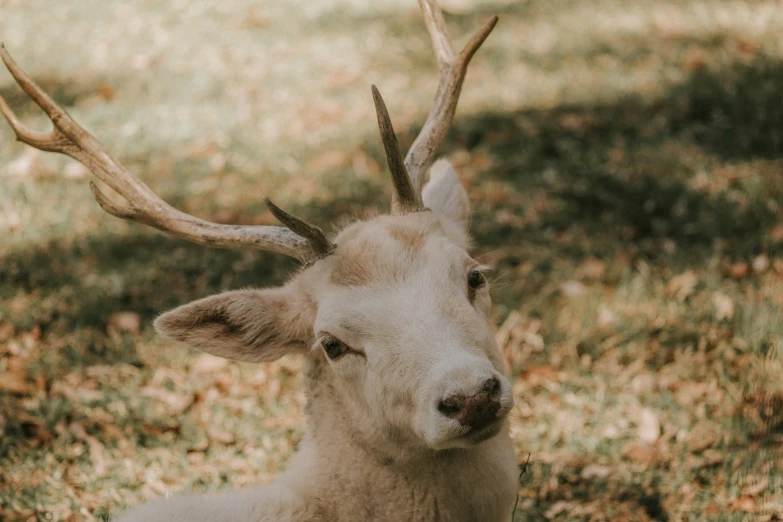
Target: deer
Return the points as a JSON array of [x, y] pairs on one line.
[[407, 399]]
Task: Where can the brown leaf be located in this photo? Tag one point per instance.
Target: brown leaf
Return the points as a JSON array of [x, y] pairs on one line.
[[201, 445], [75, 171], [16, 382], [648, 426], [538, 374], [328, 160], [756, 489], [682, 285], [106, 91], [206, 363], [595, 471], [699, 444], [709, 459], [254, 21], [222, 436], [29, 165], [642, 453], [128, 322], [364, 165], [34, 428], [746, 504], [591, 269], [760, 264], [724, 306], [776, 234], [176, 403], [572, 289], [6, 330], [557, 508], [738, 270]]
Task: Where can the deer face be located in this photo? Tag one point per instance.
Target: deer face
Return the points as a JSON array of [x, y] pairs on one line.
[[403, 324], [400, 313]]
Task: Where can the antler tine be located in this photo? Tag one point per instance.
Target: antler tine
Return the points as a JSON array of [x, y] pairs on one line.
[[143, 205], [314, 235], [452, 73], [404, 199]]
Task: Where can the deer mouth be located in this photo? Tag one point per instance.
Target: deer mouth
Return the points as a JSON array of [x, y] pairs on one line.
[[480, 434]]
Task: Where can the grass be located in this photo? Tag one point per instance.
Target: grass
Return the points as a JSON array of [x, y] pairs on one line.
[[624, 161]]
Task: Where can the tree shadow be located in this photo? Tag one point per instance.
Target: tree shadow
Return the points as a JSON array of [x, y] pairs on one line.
[[591, 172], [624, 173]]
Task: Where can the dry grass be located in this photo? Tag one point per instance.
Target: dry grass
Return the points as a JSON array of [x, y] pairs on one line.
[[625, 163]]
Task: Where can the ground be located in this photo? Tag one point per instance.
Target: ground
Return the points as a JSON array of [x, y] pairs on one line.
[[625, 161]]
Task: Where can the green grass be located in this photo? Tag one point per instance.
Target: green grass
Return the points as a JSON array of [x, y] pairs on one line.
[[624, 161]]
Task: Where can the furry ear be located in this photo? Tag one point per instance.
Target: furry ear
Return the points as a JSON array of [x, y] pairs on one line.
[[444, 194], [244, 325]]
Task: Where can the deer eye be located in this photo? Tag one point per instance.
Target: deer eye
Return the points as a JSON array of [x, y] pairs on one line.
[[333, 347], [476, 279]]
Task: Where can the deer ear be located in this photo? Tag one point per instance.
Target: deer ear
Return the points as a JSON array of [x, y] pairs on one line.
[[243, 325], [444, 195]]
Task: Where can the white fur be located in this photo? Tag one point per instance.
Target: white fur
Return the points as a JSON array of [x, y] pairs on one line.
[[377, 448]]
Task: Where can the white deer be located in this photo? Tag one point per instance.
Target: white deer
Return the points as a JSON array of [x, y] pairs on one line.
[[406, 399]]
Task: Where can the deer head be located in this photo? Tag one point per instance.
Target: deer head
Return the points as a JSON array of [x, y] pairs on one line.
[[393, 311]]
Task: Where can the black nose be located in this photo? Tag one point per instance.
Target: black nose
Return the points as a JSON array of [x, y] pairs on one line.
[[477, 410]]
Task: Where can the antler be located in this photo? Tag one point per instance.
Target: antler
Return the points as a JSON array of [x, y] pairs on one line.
[[452, 72], [300, 240], [409, 177], [405, 198]]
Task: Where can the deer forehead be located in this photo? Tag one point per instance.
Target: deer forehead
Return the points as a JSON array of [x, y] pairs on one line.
[[390, 249]]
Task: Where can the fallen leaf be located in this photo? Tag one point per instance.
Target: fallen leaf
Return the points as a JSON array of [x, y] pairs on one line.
[[128, 322], [201, 445], [34, 428], [572, 289], [558, 507], [29, 165], [682, 286], [222, 436], [106, 91], [699, 444], [642, 453], [75, 171], [591, 269], [206, 363], [756, 489], [328, 160], [6, 330], [538, 374], [648, 426], [595, 471], [776, 234], [724, 306], [16, 382], [760, 264], [746, 504], [709, 459], [738, 270], [176, 403]]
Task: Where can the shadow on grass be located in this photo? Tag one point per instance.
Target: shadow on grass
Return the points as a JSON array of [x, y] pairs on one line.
[[606, 180], [626, 175]]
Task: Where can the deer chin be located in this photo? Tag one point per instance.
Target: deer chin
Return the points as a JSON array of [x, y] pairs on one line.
[[452, 437]]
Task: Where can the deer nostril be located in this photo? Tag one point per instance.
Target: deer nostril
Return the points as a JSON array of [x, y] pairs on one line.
[[451, 406], [492, 387]]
